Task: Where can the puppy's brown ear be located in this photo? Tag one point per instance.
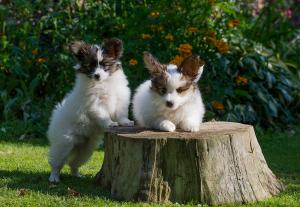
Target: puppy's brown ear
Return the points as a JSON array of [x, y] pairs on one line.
[[153, 65], [192, 67], [113, 48], [80, 49]]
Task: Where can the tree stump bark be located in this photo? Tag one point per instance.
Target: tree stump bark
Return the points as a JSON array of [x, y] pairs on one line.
[[222, 163]]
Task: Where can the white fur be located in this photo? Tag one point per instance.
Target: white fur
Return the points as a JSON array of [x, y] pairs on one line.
[[77, 123], [99, 53], [150, 110]]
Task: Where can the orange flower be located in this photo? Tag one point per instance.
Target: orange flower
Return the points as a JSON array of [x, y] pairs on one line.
[[240, 80], [192, 29], [222, 46], [211, 34], [155, 14], [233, 23], [41, 60], [212, 1], [146, 36], [177, 60], [34, 52], [169, 37], [185, 48], [133, 62], [218, 105], [211, 40]]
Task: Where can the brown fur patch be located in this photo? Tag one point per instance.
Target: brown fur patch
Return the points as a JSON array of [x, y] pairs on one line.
[[183, 90], [80, 50], [153, 65], [87, 56], [113, 48], [159, 84], [190, 66], [112, 66]]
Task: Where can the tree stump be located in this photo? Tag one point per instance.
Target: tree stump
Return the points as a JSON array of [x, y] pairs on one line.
[[222, 163]]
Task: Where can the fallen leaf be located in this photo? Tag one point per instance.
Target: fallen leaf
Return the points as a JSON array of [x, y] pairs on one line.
[[23, 192], [73, 193]]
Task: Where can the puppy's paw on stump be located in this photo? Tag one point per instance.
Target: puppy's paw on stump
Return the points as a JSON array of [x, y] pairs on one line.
[[167, 125], [207, 167], [126, 122], [190, 127], [113, 124]]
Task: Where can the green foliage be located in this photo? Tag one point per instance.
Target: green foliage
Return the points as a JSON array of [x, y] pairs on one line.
[[277, 26], [243, 80], [255, 88]]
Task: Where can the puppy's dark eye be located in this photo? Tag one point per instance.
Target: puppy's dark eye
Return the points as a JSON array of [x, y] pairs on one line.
[[182, 89], [163, 90], [101, 63], [179, 90], [104, 65]]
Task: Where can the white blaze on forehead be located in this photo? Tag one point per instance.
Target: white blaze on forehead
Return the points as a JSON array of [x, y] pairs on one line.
[[172, 69], [174, 77], [99, 52]]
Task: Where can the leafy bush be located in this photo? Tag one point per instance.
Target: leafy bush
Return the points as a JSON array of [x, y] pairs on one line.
[[277, 26], [243, 80]]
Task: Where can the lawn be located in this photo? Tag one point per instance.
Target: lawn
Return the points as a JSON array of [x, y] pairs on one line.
[[24, 172]]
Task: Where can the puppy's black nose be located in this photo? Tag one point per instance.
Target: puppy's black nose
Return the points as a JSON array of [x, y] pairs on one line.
[[169, 104], [97, 76]]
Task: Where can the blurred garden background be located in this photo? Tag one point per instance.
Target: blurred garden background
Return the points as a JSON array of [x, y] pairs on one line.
[[252, 75], [251, 49]]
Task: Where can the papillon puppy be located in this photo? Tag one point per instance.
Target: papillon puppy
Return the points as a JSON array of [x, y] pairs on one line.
[[171, 99], [99, 99]]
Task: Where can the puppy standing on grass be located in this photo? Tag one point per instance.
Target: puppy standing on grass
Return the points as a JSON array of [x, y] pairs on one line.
[[99, 99], [171, 98]]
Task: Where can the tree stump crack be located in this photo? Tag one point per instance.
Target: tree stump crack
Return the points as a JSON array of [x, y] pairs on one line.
[[198, 167], [235, 164]]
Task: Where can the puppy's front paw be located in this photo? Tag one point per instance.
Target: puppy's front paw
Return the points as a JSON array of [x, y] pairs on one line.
[[126, 122], [190, 127], [167, 125], [113, 124], [54, 177]]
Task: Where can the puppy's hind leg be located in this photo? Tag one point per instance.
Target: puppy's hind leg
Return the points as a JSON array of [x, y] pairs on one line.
[[81, 154], [58, 154]]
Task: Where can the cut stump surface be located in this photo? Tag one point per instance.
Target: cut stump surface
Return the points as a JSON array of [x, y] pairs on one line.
[[222, 163]]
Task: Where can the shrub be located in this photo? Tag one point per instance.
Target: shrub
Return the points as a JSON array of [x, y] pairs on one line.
[[243, 80], [277, 26]]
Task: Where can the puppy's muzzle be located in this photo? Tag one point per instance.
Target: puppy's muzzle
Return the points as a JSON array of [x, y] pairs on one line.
[[169, 104], [97, 77]]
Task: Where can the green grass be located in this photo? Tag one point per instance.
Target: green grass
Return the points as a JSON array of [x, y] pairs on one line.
[[24, 172]]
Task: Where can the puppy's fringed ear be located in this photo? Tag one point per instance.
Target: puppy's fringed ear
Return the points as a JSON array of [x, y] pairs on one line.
[[192, 67], [113, 48], [80, 49], [153, 65]]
